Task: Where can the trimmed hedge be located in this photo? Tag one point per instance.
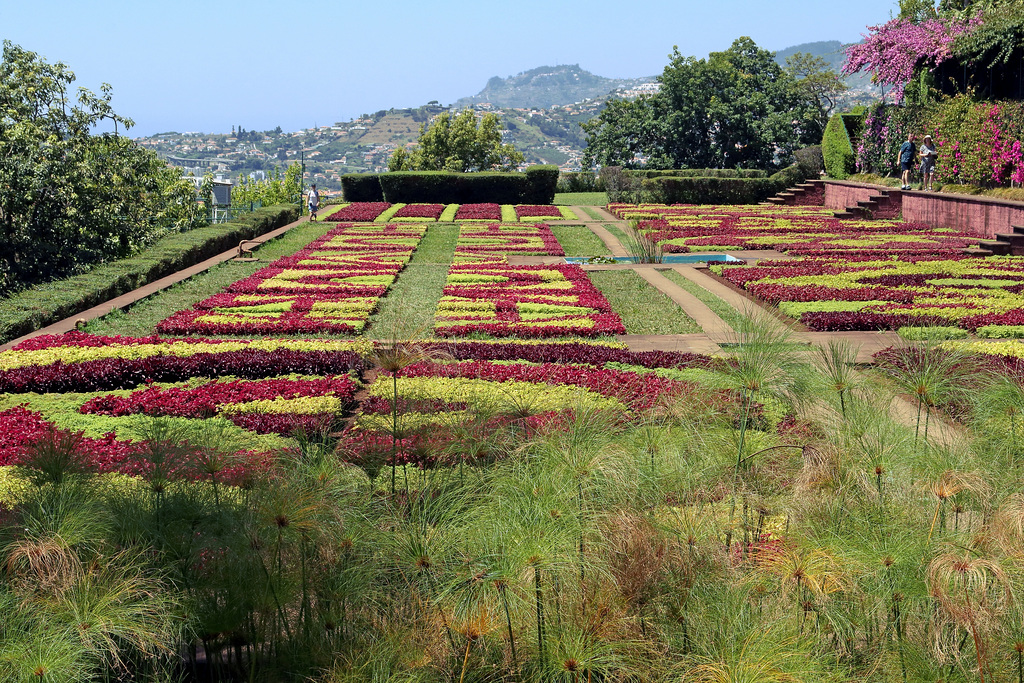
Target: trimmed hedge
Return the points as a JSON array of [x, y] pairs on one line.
[[697, 173], [536, 186], [694, 190], [361, 187], [44, 304], [837, 146]]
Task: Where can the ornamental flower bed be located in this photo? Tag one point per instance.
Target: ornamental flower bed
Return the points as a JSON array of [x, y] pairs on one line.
[[431, 211], [332, 286], [494, 242], [798, 231], [359, 212], [526, 301], [21, 429], [872, 294], [307, 403], [530, 212], [76, 362], [478, 212]]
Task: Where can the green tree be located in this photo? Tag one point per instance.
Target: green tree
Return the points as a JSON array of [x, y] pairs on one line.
[[736, 108], [69, 198], [819, 86], [457, 143]]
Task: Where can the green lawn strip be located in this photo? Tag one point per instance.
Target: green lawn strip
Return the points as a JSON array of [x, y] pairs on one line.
[[578, 240], [408, 308], [721, 308], [581, 198], [592, 213], [619, 233], [141, 320], [643, 309]]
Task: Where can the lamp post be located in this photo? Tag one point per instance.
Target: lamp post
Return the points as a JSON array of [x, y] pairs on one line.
[[302, 176]]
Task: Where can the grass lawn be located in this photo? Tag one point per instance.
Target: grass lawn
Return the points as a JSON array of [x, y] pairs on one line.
[[722, 309], [408, 308], [581, 198], [643, 309], [578, 240], [141, 319]]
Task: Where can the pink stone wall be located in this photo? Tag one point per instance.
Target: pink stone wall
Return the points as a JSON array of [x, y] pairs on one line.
[[980, 215], [838, 197], [975, 214], [812, 196]]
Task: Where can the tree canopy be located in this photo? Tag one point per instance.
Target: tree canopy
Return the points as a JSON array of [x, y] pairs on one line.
[[457, 143], [737, 108], [68, 197]]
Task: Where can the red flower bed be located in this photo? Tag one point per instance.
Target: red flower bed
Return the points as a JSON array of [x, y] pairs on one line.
[[206, 400], [420, 211], [359, 212], [587, 354], [527, 210], [21, 428], [478, 212]]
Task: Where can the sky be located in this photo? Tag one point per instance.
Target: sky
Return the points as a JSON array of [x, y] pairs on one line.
[[192, 65]]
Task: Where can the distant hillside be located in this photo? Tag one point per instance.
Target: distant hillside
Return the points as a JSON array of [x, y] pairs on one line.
[[861, 89], [548, 86]]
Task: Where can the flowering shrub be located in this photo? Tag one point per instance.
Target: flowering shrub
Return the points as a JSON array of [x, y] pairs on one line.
[[893, 51]]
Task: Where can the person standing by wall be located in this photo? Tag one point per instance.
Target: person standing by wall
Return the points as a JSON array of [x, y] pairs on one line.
[[928, 156], [906, 160], [314, 201]]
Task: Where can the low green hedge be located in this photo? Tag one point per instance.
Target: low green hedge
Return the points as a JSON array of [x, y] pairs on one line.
[[698, 173], [44, 304], [718, 190]]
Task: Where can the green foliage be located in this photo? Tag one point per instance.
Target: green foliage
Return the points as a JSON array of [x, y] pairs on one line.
[[932, 333], [68, 198], [362, 187], [810, 160], [458, 144], [579, 181], [536, 186], [697, 173], [43, 304], [734, 109], [718, 190], [277, 189], [837, 149], [819, 85]]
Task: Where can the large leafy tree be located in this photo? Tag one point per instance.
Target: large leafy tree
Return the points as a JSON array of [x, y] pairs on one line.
[[68, 197], [737, 108], [457, 143], [819, 86]]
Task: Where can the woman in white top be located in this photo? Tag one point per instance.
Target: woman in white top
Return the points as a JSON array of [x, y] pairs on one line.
[[928, 155]]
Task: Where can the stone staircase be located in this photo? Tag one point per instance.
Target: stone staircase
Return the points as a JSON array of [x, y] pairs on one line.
[[1004, 244], [885, 204], [810, 193]]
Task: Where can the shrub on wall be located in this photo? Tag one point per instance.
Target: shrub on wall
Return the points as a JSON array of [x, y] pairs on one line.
[[714, 190]]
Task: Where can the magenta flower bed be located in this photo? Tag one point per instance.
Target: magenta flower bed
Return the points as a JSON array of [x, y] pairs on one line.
[[420, 211], [359, 212], [478, 212], [20, 428], [528, 210]]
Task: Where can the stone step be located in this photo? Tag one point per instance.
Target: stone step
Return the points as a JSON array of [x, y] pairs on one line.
[[977, 252], [996, 247], [1018, 229], [776, 201], [845, 214], [1015, 239], [870, 205]]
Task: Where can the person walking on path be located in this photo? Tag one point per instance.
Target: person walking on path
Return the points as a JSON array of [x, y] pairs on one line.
[[928, 156], [906, 160], [314, 202]]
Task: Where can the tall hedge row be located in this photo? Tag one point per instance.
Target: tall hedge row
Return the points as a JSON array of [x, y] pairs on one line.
[[697, 173], [536, 186]]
